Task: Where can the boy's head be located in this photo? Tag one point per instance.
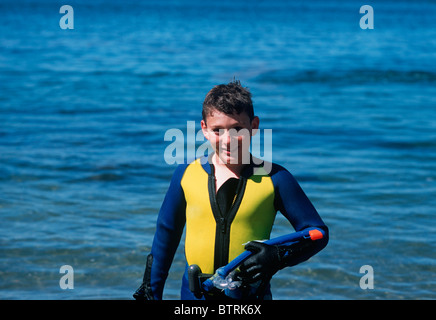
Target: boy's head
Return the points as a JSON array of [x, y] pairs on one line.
[[229, 122], [229, 99]]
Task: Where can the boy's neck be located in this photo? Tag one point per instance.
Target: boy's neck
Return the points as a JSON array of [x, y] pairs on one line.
[[226, 169]]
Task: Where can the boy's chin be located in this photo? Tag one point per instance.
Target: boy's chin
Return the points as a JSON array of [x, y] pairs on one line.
[[226, 158]]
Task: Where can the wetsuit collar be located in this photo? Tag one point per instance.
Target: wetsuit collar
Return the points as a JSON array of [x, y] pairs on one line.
[[247, 171]]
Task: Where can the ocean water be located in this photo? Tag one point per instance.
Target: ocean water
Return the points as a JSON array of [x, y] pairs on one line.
[[83, 114]]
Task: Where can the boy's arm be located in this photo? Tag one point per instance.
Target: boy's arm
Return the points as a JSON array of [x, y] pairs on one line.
[[293, 203], [169, 229]]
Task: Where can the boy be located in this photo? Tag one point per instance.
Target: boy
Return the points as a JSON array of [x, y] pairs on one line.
[[228, 201]]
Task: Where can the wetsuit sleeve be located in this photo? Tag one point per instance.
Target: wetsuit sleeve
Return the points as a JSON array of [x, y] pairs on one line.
[[169, 229], [293, 203]]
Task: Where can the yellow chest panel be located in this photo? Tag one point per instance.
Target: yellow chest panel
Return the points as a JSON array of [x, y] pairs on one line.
[[253, 220]]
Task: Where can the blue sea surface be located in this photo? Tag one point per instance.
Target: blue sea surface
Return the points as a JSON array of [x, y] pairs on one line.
[[84, 112]]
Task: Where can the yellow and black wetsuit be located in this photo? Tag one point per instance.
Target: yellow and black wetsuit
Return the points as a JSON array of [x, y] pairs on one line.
[[218, 224]]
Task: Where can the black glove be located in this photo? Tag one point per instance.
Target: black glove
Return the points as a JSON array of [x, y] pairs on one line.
[[144, 292], [262, 264], [267, 259]]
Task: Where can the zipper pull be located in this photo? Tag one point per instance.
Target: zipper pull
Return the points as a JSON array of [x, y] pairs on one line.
[[223, 225]]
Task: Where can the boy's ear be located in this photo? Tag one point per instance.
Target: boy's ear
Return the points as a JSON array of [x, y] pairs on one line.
[[204, 129], [254, 125]]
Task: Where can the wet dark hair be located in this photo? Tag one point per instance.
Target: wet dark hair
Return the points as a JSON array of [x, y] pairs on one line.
[[228, 98]]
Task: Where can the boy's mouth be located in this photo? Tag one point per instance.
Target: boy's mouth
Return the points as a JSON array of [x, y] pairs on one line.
[[228, 150]]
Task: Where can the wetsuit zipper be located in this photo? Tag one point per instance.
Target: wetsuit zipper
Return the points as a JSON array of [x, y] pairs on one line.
[[223, 220]]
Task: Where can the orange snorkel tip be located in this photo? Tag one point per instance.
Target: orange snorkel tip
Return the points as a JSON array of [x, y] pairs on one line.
[[315, 234]]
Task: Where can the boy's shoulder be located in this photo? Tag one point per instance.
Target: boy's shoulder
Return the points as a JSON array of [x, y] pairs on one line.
[[181, 168], [268, 167], [281, 177]]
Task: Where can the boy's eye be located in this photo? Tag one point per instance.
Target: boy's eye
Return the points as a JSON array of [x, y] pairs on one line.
[[218, 131]]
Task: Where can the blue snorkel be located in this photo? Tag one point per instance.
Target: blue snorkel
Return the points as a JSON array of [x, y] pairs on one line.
[[223, 277]]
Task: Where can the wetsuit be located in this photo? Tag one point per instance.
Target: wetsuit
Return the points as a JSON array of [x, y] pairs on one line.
[[219, 223]]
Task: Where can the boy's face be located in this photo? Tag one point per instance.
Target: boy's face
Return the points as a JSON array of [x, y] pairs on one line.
[[230, 135]]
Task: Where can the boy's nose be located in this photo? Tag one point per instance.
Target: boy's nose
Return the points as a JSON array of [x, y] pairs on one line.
[[229, 135]]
